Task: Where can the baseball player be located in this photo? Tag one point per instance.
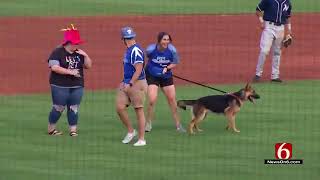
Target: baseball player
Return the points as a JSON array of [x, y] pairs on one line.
[[66, 63], [163, 57], [132, 88], [274, 17]]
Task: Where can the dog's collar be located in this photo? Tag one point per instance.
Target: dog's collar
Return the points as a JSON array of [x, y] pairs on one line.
[[236, 97]]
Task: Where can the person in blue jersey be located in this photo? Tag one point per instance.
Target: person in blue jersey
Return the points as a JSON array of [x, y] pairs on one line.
[[274, 17], [66, 64], [162, 58], [133, 87]]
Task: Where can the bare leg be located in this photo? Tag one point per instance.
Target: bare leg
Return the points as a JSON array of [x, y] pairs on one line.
[[152, 99], [229, 124], [123, 115], [141, 122], [170, 93]]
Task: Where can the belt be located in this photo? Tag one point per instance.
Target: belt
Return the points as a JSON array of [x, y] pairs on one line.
[[273, 23]]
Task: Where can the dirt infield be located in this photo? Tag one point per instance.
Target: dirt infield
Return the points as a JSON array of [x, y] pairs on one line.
[[213, 49]]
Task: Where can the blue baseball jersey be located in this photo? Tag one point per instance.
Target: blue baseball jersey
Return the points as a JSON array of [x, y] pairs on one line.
[[277, 11], [161, 59], [132, 56]]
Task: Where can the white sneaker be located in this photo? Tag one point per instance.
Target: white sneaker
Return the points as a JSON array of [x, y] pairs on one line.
[[148, 127], [140, 143], [129, 137], [180, 129]]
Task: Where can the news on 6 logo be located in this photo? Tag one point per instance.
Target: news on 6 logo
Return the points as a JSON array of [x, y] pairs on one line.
[[283, 155], [283, 150]]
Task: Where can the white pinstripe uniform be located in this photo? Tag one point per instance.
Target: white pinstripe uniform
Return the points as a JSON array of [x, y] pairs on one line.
[[276, 14]]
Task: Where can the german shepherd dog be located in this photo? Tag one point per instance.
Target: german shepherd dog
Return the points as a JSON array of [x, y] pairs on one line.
[[228, 104]]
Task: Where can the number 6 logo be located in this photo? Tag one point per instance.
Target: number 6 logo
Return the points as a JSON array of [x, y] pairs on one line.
[[283, 150]]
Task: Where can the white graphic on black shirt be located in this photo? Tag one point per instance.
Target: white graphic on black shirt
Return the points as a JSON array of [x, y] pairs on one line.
[[73, 62]]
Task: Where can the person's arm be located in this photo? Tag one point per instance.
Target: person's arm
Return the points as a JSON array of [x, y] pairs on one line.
[[260, 18], [288, 27], [146, 61], [135, 77], [60, 70], [168, 68], [288, 23], [54, 65], [87, 59], [175, 60], [138, 59], [87, 62], [171, 66], [259, 12]]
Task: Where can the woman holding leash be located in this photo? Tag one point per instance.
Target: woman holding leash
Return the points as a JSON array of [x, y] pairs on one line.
[[163, 57], [66, 63]]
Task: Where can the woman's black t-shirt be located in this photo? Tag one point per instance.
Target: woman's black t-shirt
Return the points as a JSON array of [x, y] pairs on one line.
[[64, 59]]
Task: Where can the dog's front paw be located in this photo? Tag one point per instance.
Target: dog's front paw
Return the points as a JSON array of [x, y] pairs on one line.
[[236, 130], [199, 130], [190, 131]]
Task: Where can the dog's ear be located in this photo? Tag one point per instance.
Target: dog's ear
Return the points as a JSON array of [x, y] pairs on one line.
[[248, 86]]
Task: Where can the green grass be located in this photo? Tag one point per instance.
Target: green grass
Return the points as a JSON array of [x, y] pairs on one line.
[[137, 7], [286, 113]]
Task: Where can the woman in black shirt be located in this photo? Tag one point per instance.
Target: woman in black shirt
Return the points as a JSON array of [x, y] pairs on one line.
[[67, 80]]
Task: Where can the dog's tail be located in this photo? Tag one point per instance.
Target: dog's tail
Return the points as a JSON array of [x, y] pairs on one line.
[[184, 103]]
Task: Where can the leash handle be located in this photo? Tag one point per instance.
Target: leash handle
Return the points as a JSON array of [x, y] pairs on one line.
[[178, 77]]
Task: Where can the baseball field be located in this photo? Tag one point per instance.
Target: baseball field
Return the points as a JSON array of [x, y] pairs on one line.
[[218, 42]]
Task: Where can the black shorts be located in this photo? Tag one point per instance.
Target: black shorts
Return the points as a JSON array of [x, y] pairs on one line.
[[162, 82]]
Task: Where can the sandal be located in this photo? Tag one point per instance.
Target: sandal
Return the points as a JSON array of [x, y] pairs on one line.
[[55, 133], [73, 134]]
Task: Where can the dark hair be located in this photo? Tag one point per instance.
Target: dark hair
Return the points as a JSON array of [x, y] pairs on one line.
[[66, 43], [161, 34]]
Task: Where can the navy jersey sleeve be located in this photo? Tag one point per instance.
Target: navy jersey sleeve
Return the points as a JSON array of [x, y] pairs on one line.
[[136, 56], [54, 58], [262, 5], [175, 54]]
